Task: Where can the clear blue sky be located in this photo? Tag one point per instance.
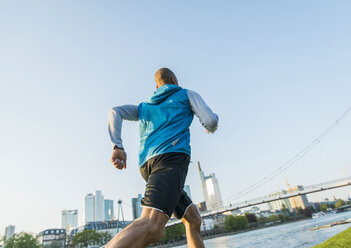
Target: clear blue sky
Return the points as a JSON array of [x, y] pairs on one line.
[[276, 72]]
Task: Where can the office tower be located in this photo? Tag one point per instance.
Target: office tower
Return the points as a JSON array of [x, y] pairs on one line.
[[109, 210], [210, 190], [69, 219], [136, 207], [187, 190], [93, 209], [99, 206], [88, 208], [9, 232]]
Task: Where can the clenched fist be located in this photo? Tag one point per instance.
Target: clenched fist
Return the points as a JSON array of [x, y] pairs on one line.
[[119, 159]]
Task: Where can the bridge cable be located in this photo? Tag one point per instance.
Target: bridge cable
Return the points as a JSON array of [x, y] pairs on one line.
[[287, 164]]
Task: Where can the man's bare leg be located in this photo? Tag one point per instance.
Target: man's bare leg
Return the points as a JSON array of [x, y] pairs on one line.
[[142, 232], [192, 221]]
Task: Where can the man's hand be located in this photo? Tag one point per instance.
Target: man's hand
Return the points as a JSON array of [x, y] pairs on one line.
[[119, 159]]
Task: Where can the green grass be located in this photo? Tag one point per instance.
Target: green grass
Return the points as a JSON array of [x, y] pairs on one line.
[[341, 240]]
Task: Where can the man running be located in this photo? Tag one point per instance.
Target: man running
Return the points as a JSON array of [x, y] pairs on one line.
[[164, 156]]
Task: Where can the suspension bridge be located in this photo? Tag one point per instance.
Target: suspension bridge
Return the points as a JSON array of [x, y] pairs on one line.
[[329, 185]]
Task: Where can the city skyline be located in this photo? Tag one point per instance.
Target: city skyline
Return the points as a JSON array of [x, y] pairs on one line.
[[277, 74]]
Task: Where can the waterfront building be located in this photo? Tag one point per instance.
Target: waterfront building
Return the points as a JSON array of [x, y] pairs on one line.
[[109, 210], [69, 219], [298, 201], [93, 209], [136, 207], [291, 203], [207, 224], [187, 190], [279, 204], [9, 231], [210, 190], [52, 237], [102, 226]]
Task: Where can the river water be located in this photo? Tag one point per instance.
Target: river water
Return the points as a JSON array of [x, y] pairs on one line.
[[289, 235]]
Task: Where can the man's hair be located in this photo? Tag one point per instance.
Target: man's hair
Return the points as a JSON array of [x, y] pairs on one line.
[[164, 76]]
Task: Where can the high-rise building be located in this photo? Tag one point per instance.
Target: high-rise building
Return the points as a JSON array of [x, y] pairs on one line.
[[93, 209], [291, 203], [279, 204], [136, 207], [88, 208], [99, 206], [69, 219], [109, 210], [298, 201], [187, 190], [9, 232], [210, 190]]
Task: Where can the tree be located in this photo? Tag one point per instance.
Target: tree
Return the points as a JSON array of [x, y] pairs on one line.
[[282, 217], [262, 219], [86, 237], [22, 240], [173, 233], [340, 203], [251, 218], [323, 207], [105, 237], [273, 218], [285, 209], [54, 244], [234, 223]]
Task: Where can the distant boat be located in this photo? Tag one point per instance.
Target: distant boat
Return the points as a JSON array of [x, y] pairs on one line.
[[317, 215]]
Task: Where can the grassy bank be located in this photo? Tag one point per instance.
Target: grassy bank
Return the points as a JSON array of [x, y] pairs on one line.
[[340, 240]]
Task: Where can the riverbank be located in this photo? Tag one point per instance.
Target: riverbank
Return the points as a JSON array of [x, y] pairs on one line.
[[221, 233], [342, 239]]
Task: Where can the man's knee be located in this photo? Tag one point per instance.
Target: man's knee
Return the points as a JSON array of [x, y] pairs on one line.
[[154, 224], [193, 218]]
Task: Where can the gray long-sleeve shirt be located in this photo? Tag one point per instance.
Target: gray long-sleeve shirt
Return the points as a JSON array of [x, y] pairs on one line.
[[208, 119]]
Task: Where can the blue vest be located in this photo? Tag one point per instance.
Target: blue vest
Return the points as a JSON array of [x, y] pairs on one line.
[[164, 122]]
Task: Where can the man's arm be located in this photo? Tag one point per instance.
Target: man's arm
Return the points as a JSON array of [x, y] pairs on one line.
[[208, 119], [115, 119]]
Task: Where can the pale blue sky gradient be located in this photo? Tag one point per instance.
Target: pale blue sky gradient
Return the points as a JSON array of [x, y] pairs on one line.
[[277, 73]]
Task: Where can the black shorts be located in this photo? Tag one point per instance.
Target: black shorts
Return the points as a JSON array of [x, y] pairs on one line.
[[165, 177]]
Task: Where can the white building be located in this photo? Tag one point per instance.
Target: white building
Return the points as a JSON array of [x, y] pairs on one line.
[[207, 224], [291, 203], [210, 189], [99, 206], [69, 219], [93, 207], [9, 232], [88, 208]]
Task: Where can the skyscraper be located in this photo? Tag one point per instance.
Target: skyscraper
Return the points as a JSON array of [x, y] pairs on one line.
[[69, 219], [9, 232], [187, 190], [88, 208], [93, 209], [136, 207], [210, 190], [109, 210], [99, 206]]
